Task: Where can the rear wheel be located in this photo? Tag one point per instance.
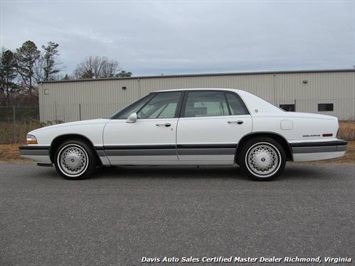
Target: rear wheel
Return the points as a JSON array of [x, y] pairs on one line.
[[263, 159], [75, 159]]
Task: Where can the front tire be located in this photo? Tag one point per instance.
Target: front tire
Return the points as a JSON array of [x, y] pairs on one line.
[[263, 159], [74, 160]]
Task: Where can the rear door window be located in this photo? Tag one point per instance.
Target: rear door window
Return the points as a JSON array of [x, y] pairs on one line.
[[213, 103]]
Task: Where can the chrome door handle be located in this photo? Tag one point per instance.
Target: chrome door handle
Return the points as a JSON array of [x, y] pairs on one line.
[[163, 125], [239, 122]]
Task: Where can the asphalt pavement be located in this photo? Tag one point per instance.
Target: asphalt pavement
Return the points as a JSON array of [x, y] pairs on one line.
[[177, 216]]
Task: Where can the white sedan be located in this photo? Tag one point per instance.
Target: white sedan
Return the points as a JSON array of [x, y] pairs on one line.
[[189, 127]]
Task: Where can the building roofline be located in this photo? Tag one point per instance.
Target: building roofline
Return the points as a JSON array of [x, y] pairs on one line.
[[206, 75]]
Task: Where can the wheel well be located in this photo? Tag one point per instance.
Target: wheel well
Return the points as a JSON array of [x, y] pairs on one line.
[[57, 141], [276, 137]]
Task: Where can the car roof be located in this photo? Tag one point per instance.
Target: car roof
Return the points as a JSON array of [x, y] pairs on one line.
[[202, 89]]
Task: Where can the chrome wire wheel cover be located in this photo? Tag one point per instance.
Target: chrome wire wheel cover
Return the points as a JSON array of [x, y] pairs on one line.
[[73, 160], [263, 159]]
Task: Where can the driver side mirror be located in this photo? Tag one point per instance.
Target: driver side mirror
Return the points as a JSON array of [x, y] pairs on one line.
[[132, 118]]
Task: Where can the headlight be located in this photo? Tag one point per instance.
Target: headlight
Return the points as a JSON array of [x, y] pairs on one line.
[[31, 139]]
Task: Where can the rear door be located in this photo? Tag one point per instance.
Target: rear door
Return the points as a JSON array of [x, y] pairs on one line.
[[210, 127]]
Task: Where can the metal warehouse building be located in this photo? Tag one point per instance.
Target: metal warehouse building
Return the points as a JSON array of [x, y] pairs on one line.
[[329, 92]]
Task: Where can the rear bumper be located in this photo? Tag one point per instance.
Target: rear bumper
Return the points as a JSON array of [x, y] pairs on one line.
[[39, 154], [313, 151]]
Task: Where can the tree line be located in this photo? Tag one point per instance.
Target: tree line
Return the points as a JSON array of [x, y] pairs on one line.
[[21, 71]]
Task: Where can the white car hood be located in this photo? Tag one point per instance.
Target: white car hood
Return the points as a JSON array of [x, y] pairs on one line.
[[83, 123]]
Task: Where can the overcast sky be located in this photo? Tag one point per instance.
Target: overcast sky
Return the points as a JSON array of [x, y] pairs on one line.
[[187, 37]]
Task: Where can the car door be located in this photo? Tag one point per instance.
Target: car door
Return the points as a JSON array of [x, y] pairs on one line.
[[147, 135], [210, 127]]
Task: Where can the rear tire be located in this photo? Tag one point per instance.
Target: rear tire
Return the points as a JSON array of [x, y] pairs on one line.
[[263, 159], [75, 159]]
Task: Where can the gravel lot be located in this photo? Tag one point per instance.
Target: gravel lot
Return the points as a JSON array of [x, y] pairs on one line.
[[124, 216]]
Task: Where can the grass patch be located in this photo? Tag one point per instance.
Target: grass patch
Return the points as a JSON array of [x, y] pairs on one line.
[[10, 153], [347, 131], [15, 133]]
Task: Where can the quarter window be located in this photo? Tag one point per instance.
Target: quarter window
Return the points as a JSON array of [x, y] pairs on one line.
[[236, 104]]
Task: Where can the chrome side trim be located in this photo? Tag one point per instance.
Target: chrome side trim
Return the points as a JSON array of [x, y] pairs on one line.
[[137, 150], [166, 150], [206, 149], [140, 152]]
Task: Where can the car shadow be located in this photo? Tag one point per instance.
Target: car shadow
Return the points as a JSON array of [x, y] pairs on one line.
[[174, 172], [47, 173], [292, 172], [295, 171]]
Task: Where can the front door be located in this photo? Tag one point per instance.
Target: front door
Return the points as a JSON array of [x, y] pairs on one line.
[[149, 139]]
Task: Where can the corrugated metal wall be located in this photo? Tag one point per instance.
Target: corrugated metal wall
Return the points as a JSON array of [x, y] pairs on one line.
[[79, 100]]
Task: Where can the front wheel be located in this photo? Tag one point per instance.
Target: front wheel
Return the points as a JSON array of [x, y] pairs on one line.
[[74, 159], [263, 159]]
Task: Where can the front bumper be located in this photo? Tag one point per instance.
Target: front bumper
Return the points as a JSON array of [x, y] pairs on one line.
[[39, 154]]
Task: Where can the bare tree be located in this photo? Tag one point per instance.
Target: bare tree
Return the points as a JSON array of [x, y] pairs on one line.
[[96, 67]]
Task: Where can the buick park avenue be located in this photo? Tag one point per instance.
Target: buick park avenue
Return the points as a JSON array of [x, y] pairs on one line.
[[189, 127]]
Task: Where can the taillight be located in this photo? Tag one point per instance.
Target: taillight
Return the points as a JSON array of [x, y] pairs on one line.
[[327, 135]]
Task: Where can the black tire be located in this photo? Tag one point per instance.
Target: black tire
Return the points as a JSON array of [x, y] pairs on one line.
[[75, 159], [262, 159]]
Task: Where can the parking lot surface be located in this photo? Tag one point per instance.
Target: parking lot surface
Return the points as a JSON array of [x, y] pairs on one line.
[[143, 215]]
